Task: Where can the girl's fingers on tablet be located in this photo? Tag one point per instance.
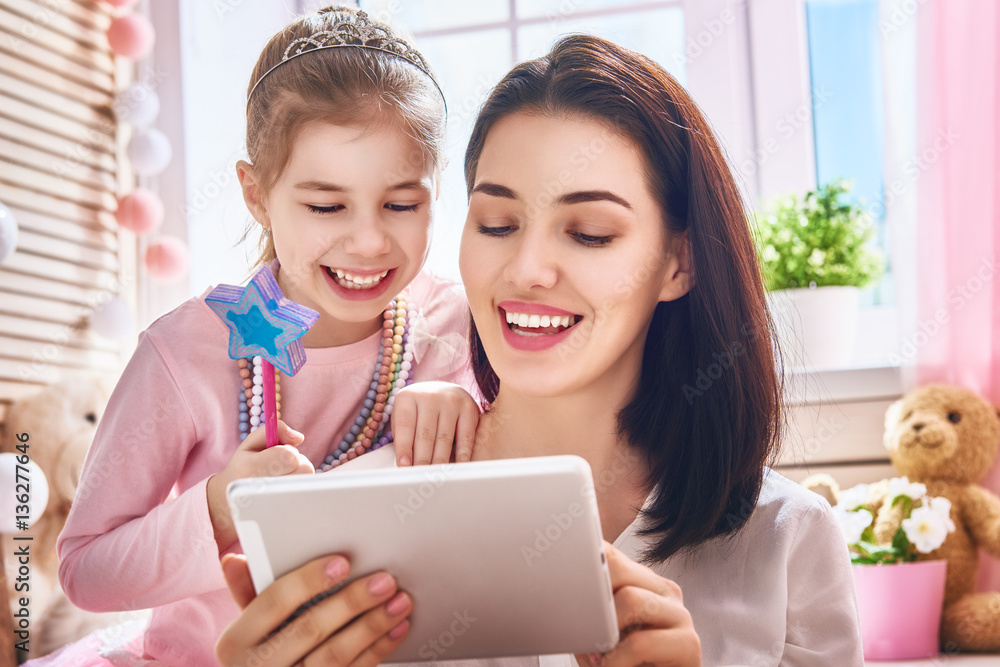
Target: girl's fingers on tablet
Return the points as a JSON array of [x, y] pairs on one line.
[[367, 640], [267, 611], [237, 575], [404, 425]]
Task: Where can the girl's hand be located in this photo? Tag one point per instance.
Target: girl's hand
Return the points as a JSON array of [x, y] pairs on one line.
[[428, 418], [655, 627], [359, 625], [253, 460]]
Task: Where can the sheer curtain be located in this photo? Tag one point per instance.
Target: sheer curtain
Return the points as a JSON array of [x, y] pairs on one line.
[[957, 330]]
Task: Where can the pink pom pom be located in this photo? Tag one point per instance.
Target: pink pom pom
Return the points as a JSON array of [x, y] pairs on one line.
[[141, 211], [131, 36], [166, 260]]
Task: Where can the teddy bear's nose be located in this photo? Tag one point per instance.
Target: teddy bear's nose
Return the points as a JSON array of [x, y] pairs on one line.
[[918, 426]]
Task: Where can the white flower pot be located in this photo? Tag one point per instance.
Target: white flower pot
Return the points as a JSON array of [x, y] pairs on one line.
[[816, 326]]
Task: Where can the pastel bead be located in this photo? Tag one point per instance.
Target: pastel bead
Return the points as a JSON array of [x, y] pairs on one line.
[[256, 400]]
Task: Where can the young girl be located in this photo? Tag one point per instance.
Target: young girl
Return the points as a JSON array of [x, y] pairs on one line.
[[607, 260], [344, 134]]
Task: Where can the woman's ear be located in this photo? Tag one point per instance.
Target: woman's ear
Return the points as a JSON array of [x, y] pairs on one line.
[[678, 279], [253, 195]]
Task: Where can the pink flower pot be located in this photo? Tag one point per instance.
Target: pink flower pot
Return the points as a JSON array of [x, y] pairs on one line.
[[900, 608]]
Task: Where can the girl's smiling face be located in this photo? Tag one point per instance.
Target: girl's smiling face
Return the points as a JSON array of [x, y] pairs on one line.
[[350, 218], [565, 255]]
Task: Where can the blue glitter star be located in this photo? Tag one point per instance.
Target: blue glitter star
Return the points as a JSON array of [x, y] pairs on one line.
[[262, 321]]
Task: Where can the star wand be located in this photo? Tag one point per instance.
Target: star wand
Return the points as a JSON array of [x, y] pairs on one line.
[[262, 322]]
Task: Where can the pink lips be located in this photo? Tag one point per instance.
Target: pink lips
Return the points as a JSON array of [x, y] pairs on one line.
[[531, 343]]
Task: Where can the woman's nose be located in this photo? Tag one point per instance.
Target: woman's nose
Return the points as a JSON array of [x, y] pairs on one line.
[[367, 238], [532, 264]]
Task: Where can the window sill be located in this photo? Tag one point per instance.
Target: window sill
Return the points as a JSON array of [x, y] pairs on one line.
[[804, 386]]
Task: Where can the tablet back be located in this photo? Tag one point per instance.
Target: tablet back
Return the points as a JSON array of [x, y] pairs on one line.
[[501, 558]]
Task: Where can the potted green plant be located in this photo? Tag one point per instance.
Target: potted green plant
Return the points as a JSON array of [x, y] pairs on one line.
[[815, 254]]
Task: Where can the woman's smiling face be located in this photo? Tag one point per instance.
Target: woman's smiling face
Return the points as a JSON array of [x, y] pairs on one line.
[[565, 255]]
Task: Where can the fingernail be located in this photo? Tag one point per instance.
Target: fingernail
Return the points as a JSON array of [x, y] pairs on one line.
[[336, 568], [404, 460], [399, 630], [381, 584], [397, 605]]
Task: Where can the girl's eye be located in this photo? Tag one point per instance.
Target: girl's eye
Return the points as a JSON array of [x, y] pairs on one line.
[[591, 241], [400, 208], [503, 230], [325, 209]]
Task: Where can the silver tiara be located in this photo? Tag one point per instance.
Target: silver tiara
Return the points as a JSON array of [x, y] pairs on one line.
[[357, 30]]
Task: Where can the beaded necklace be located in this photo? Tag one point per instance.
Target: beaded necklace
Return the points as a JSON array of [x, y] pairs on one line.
[[370, 430]]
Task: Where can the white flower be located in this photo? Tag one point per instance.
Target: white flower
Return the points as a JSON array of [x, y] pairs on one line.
[[854, 497], [929, 525], [852, 523], [901, 486]]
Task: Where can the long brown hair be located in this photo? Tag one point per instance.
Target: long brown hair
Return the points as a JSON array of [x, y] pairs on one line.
[[708, 416], [346, 86]]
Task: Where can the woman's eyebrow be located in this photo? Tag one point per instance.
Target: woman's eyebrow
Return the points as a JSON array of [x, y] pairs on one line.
[[585, 196], [495, 190]]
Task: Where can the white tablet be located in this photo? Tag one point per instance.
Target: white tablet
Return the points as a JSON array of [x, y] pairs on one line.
[[501, 558]]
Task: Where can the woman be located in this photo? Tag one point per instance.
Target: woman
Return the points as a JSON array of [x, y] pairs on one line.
[[609, 266]]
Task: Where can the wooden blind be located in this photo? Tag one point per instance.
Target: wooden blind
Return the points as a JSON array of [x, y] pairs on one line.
[[59, 175]]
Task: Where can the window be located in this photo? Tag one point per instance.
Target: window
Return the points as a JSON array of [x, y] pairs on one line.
[[472, 45]]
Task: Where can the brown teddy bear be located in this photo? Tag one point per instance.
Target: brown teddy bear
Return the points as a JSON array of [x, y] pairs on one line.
[[947, 438], [60, 421]]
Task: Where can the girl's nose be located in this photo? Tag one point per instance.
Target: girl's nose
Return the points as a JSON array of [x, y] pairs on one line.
[[532, 263], [367, 238]]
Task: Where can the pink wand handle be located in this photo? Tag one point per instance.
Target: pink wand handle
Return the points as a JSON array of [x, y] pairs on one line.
[[270, 409]]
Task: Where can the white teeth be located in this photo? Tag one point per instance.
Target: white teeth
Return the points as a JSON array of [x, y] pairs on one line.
[[350, 281], [525, 321]]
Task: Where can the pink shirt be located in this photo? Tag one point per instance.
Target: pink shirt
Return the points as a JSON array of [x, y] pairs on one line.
[[139, 534]]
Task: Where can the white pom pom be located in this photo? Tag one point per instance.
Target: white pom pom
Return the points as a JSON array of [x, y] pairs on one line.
[[113, 319], [36, 494], [138, 105], [150, 152]]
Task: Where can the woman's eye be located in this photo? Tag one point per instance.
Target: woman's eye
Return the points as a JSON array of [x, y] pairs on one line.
[[502, 230], [399, 208], [325, 209], [591, 241]]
